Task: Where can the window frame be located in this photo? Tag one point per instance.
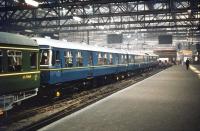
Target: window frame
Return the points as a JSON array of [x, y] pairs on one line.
[[79, 56], [1, 53], [105, 58], [111, 59], [1, 61], [101, 59], [69, 57], [49, 55], [17, 65], [36, 60]]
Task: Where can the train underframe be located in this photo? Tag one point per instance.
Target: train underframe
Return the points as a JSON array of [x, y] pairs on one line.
[[62, 89], [8, 101]]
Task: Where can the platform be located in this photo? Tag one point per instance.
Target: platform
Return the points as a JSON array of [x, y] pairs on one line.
[[167, 101]]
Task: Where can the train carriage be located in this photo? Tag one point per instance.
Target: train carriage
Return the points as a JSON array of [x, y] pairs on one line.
[[19, 69], [64, 62], [47, 66], [68, 62]]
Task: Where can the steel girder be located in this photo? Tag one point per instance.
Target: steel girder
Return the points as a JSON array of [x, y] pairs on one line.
[[57, 16]]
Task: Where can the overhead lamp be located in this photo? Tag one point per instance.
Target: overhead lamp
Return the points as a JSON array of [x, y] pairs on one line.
[[101, 27], [129, 36], [32, 2], [189, 11], [136, 31], [47, 37], [63, 10], [76, 18], [56, 35], [28, 31], [118, 32]]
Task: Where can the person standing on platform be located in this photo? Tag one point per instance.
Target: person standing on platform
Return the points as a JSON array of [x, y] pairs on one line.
[[187, 63]]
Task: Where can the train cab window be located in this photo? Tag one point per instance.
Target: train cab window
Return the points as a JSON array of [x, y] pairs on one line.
[[44, 57], [111, 59], [1, 61], [14, 60], [56, 58], [79, 59], [105, 59], [68, 59], [33, 57]]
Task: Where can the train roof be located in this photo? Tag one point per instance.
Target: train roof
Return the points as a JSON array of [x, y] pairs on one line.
[[76, 45], [15, 39], [151, 54], [79, 46]]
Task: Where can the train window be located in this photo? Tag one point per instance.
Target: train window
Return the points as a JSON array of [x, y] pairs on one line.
[[100, 59], [155, 58], [131, 59], [145, 58], [122, 59], [138, 59], [105, 59], [44, 57], [68, 59], [117, 59], [33, 57], [79, 59], [90, 59], [125, 59], [150, 58], [1, 61], [14, 60], [56, 58], [111, 59]]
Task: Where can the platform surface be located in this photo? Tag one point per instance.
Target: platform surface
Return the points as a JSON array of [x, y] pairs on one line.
[[167, 101]]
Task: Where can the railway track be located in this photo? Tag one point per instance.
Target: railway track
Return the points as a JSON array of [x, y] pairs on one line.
[[37, 116]]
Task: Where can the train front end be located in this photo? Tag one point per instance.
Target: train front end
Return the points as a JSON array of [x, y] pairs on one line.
[[19, 69]]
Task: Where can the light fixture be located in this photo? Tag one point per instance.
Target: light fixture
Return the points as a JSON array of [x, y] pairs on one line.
[[56, 35], [76, 18], [118, 32], [32, 2], [101, 27], [189, 11], [129, 36], [28, 31]]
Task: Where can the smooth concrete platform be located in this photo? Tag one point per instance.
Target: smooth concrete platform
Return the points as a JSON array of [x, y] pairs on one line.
[[167, 101]]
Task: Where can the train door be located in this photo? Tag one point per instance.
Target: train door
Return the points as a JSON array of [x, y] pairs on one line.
[[56, 64], [117, 61], [90, 63]]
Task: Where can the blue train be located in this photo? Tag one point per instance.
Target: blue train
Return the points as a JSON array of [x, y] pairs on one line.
[[71, 63], [49, 67]]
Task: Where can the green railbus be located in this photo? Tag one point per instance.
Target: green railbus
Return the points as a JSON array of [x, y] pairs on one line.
[[19, 69]]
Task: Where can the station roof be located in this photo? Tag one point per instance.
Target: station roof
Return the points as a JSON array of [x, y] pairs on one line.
[[51, 17]]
